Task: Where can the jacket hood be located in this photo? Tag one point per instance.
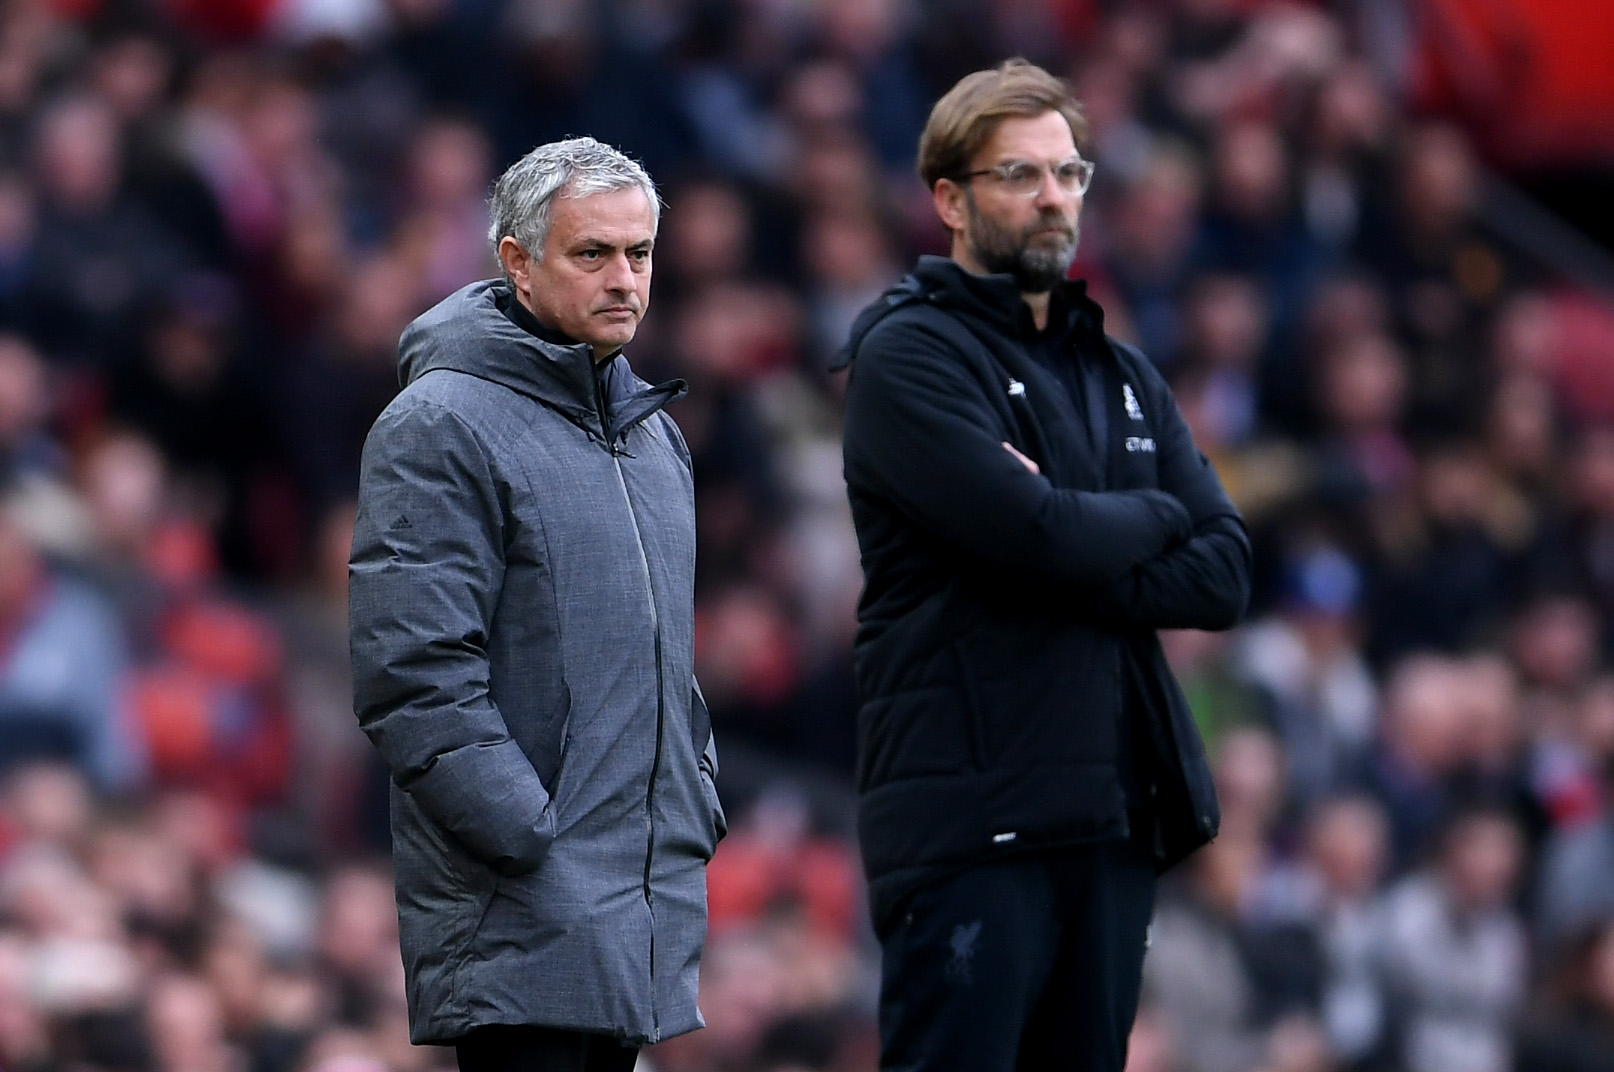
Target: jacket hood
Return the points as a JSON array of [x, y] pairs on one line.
[[468, 332], [994, 300]]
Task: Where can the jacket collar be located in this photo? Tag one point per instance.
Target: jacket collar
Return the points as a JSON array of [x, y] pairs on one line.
[[996, 299], [469, 332], [993, 300], [525, 319]]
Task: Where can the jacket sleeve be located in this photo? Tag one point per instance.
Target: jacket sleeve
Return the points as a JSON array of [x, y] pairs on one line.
[[1201, 584], [425, 576], [920, 435]]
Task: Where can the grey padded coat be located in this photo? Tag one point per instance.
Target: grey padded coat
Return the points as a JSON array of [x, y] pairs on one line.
[[522, 630]]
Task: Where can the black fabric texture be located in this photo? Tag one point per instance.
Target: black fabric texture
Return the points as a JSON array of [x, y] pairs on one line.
[[1008, 618], [1023, 965], [1069, 348], [515, 1048]]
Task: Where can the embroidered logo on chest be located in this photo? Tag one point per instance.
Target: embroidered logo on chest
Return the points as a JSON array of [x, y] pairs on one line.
[[1133, 410], [961, 965]]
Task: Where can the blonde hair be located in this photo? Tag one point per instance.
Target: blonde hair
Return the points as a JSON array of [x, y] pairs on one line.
[[964, 119]]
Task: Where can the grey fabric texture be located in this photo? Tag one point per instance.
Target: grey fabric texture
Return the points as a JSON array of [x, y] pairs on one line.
[[522, 634]]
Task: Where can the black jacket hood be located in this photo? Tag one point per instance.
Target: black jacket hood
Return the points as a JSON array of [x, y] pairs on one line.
[[993, 300]]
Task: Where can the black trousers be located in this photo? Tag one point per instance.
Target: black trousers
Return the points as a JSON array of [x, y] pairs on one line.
[[504, 1048], [1028, 964]]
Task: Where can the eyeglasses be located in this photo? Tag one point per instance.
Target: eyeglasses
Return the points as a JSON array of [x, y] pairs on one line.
[[1024, 179]]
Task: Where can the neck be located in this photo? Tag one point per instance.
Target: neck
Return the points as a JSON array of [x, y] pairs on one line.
[[1039, 308], [1037, 302]]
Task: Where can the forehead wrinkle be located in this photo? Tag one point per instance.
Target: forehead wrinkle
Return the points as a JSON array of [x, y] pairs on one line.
[[605, 211], [1026, 135], [1008, 157], [603, 241]]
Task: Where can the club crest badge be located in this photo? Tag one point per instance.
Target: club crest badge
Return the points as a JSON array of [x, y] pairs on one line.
[[1133, 410], [961, 965]]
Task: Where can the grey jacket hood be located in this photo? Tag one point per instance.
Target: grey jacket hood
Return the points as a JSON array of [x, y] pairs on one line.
[[469, 332]]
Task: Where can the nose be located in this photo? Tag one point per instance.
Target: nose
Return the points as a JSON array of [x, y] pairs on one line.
[[1049, 192], [619, 275]]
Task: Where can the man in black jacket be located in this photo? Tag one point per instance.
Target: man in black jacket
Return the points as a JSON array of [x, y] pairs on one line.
[[1030, 508]]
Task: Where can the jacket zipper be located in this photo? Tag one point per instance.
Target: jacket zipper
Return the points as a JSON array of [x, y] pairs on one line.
[[660, 699], [655, 767]]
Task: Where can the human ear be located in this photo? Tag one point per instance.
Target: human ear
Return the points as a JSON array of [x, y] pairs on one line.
[[949, 199], [517, 263]]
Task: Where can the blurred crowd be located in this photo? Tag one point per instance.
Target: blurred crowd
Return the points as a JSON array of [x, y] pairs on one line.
[[216, 216]]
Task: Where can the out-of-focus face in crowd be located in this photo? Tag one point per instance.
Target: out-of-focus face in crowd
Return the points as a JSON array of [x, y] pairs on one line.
[[1484, 853], [1348, 841]]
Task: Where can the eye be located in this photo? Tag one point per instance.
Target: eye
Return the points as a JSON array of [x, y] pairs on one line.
[[591, 254], [1021, 174], [1075, 174]]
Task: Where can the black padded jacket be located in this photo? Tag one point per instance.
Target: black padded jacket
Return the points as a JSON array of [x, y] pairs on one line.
[[1007, 615]]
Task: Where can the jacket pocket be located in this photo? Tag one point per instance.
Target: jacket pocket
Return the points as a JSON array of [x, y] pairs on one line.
[[916, 733], [444, 892], [439, 859], [560, 786], [719, 821], [977, 706], [1039, 695]]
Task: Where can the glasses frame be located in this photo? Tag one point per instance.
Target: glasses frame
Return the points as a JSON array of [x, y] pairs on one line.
[[1001, 173]]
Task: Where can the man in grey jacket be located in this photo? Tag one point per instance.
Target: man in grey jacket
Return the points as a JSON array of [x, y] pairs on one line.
[[522, 610]]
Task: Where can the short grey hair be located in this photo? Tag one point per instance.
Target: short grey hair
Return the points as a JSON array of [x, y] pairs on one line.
[[524, 194]]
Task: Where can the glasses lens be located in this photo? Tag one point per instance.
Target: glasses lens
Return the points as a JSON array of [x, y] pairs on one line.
[[1025, 179], [1022, 178], [1074, 175]]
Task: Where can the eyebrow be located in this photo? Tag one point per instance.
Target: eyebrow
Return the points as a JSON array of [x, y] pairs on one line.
[[1071, 159], [587, 242]]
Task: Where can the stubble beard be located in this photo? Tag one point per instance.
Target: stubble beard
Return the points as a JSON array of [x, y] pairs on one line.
[[1036, 268]]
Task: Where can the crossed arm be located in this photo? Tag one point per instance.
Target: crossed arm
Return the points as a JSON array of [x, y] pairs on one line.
[[919, 433]]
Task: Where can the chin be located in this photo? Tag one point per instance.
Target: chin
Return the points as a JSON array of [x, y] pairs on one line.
[[612, 338]]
